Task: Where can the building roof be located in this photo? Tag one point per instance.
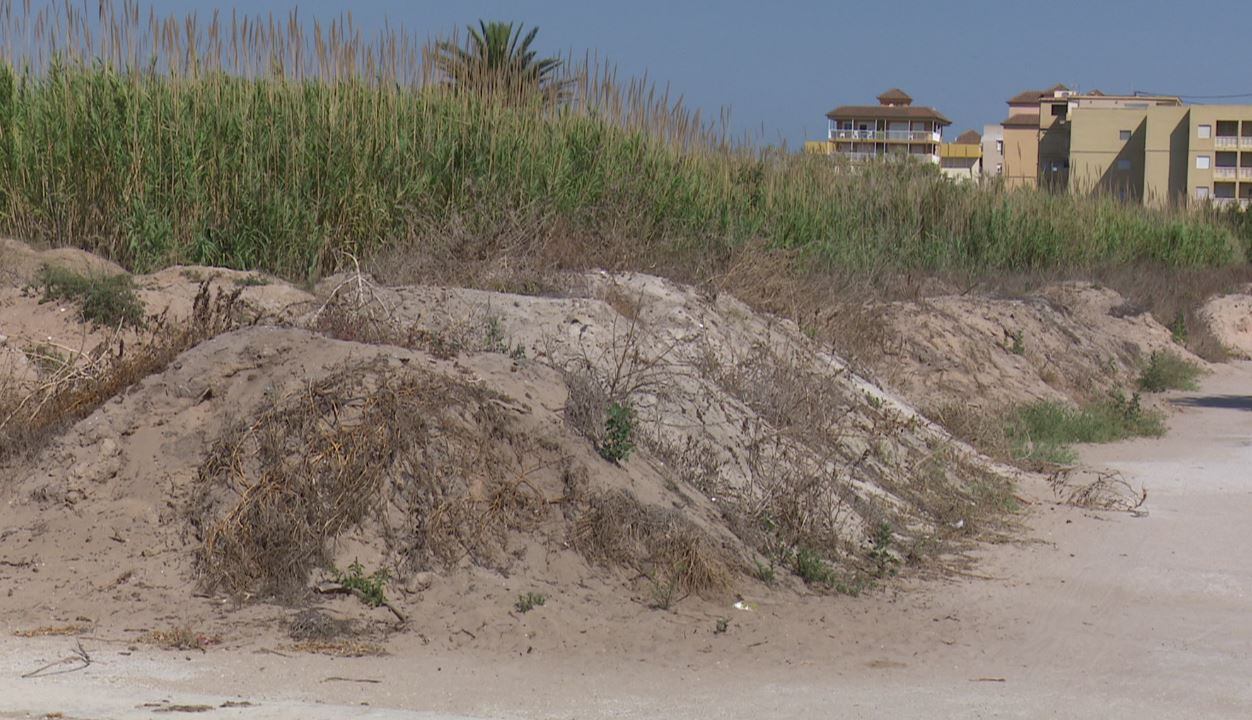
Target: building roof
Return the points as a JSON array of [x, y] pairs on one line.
[[895, 96], [1030, 97], [888, 112], [1026, 96], [1021, 120], [969, 137]]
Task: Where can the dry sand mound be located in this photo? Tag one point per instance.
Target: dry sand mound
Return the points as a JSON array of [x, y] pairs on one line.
[[631, 443], [1229, 319], [1070, 342], [468, 435]]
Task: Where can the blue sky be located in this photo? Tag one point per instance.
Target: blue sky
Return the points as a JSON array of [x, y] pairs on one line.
[[779, 66]]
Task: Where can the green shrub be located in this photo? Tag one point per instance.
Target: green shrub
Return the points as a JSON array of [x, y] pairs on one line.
[[619, 431], [1043, 431], [1167, 371], [101, 299], [371, 586], [812, 569]]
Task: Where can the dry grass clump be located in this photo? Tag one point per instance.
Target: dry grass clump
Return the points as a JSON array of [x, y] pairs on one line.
[[182, 637], [338, 648], [616, 529], [313, 624], [434, 466], [75, 383], [52, 631], [1097, 490]]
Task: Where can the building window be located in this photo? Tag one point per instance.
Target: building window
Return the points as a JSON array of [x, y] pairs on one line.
[[1123, 135], [1059, 110], [1123, 165], [1000, 146], [1202, 162], [1204, 132], [1202, 193]]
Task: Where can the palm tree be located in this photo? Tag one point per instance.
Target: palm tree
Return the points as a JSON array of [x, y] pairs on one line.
[[497, 59]]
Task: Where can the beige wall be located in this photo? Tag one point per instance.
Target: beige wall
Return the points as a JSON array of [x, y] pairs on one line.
[[992, 154], [1021, 156], [1100, 160]]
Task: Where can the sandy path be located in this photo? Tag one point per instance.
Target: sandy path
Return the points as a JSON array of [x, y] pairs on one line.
[[1103, 615]]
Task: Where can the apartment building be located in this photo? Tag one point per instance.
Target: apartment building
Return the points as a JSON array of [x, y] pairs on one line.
[[962, 158], [894, 127]]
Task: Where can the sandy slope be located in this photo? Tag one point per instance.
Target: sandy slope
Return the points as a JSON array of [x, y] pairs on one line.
[[1094, 615]]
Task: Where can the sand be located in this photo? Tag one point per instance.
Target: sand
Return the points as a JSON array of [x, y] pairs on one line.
[[1089, 615]]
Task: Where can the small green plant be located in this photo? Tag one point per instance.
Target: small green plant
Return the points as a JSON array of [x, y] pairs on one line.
[[494, 336], [1167, 371], [529, 601], [766, 573], [812, 569], [874, 401], [619, 431], [1019, 343], [370, 587], [518, 352], [880, 554], [101, 299], [1178, 329], [723, 624]]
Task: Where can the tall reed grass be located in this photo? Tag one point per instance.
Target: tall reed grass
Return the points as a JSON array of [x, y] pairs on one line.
[[279, 144]]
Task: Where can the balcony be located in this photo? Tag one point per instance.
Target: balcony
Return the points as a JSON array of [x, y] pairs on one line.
[[1243, 203], [1226, 141], [1245, 173], [926, 136], [1245, 142], [1226, 172]]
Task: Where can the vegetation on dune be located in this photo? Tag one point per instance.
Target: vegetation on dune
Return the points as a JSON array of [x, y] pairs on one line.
[[1043, 431], [274, 151], [1168, 371]]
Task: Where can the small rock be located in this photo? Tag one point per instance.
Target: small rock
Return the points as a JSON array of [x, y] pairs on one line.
[[420, 582]]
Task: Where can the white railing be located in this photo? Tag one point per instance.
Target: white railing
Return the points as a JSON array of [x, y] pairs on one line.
[[1225, 172], [886, 135], [892, 156], [1244, 203], [1245, 173], [1226, 141], [1245, 141]]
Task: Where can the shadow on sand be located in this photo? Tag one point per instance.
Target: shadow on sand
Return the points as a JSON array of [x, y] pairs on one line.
[[1220, 402]]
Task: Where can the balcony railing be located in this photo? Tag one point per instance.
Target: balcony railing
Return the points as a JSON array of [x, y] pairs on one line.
[[1245, 173], [886, 135], [1226, 141], [1225, 172], [1245, 141], [1244, 203]]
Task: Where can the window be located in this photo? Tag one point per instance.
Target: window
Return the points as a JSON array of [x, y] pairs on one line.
[[1000, 146], [1204, 132], [1123, 165], [1123, 135], [1201, 193], [1202, 162], [1059, 110]]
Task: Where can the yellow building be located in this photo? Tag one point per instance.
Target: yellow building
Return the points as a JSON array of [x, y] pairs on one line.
[[1164, 154], [892, 128], [962, 159]]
